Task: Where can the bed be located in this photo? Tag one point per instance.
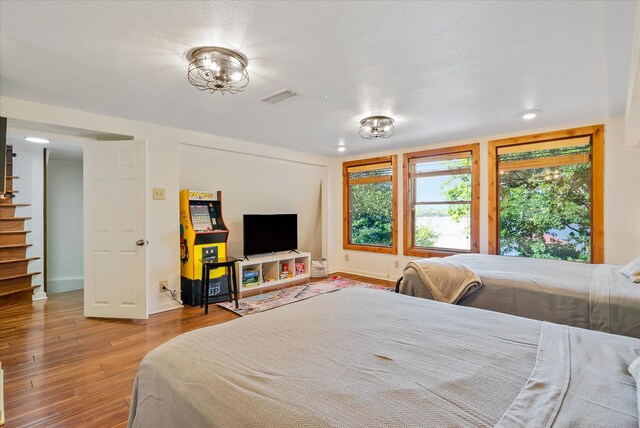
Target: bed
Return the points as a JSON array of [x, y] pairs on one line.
[[367, 358], [595, 297]]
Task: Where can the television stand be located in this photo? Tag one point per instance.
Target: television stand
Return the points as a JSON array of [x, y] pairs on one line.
[[267, 271], [294, 251]]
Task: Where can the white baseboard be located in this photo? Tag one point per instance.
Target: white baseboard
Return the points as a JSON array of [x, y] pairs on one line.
[[61, 285], [39, 294], [1, 396], [164, 307]]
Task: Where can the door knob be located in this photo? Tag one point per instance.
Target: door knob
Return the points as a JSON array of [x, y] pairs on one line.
[[140, 242]]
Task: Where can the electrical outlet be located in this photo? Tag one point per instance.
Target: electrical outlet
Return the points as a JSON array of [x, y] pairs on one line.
[[397, 264], [163, 283], [158, 193], [346, 257]]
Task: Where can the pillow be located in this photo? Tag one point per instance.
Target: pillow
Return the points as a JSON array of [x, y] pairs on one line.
[[632, 270]]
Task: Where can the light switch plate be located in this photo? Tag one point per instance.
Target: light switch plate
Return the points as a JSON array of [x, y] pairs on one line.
[[158, 193]]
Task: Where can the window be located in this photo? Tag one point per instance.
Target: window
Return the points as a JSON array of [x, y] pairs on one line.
[[370, 205], [546, 195], [442, 197]]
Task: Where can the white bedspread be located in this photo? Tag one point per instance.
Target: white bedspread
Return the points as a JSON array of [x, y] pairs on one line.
[[590, 296], [575, 382], [366, 358]]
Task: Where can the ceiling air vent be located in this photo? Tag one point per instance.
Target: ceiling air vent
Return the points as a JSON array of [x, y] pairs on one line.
[[278, 97]]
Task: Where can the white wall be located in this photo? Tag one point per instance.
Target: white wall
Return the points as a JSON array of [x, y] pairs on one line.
[[622, 179], [64, 226], [621, 196], [258, 185], [163, 170], [29, 166], [632, 111], [621, 216]]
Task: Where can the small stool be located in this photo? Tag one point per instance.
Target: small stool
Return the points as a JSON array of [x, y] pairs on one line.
[[229, 263]]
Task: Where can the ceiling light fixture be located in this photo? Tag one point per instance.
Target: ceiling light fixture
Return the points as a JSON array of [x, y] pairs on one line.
[[373, 127], [212, 69], [530, 114], [341, 148], [37, 140]]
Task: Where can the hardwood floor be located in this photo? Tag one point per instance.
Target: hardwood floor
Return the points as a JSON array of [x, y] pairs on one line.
[[64, 370]]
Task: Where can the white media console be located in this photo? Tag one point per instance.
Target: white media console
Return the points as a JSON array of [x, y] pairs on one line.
[[270, 270]]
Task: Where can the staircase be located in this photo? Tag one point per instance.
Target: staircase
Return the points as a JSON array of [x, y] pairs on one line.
[[15, 278]]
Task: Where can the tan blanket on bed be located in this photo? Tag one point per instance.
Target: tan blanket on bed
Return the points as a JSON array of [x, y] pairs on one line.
[[365, 358], [447, 281]]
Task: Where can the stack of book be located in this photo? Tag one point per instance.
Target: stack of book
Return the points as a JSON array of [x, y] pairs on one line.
[[250, 277]]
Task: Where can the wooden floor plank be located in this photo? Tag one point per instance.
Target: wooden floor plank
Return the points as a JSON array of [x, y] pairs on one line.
[[64, 370]]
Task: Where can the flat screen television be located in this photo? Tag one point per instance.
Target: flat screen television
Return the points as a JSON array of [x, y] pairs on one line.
[[269, 233]]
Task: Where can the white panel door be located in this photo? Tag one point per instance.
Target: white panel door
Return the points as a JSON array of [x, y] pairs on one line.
[[115, 250]]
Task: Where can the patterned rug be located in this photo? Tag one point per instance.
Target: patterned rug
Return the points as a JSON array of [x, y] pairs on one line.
[[274, 299]]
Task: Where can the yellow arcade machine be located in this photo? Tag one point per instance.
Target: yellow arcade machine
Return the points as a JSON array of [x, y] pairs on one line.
[[202, 234]]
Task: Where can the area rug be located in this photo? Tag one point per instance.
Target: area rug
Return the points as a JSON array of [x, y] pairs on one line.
[[274, 299]]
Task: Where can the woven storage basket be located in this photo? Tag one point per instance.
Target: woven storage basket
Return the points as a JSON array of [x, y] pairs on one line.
[[319, 268]]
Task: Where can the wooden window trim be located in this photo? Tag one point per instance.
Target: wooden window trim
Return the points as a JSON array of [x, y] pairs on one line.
[[368, 165], [545, 145], [408, 248], [369, 180], [547, 162], [596, 133]]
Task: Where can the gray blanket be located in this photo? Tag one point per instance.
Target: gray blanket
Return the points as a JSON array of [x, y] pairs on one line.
[[446, 280], [590, 296], [366, 358]]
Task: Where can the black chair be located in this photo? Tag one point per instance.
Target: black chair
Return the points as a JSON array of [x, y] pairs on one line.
[[398, 284]]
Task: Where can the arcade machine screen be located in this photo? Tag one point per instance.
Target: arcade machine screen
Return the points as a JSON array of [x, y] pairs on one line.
[[200, 218]]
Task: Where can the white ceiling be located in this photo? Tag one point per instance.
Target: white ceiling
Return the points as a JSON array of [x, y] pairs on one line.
[[443, 70], [65, 143], [60, 150]]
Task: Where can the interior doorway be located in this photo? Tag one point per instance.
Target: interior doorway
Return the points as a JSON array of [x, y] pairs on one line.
[[63, 219], [52, 200]]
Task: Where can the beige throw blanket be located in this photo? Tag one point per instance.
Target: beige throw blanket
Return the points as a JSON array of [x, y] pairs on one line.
[[447, 281]]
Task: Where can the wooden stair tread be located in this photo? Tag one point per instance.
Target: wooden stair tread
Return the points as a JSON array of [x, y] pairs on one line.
[[14, 205], [13, 232], [26, 259], [3, 247], [15, 218], [22, 275], [4, 293], [13, 177]]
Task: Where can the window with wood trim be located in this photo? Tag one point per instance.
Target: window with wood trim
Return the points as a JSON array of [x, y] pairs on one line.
[[546, 194], [442, 192], [370, 205]]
